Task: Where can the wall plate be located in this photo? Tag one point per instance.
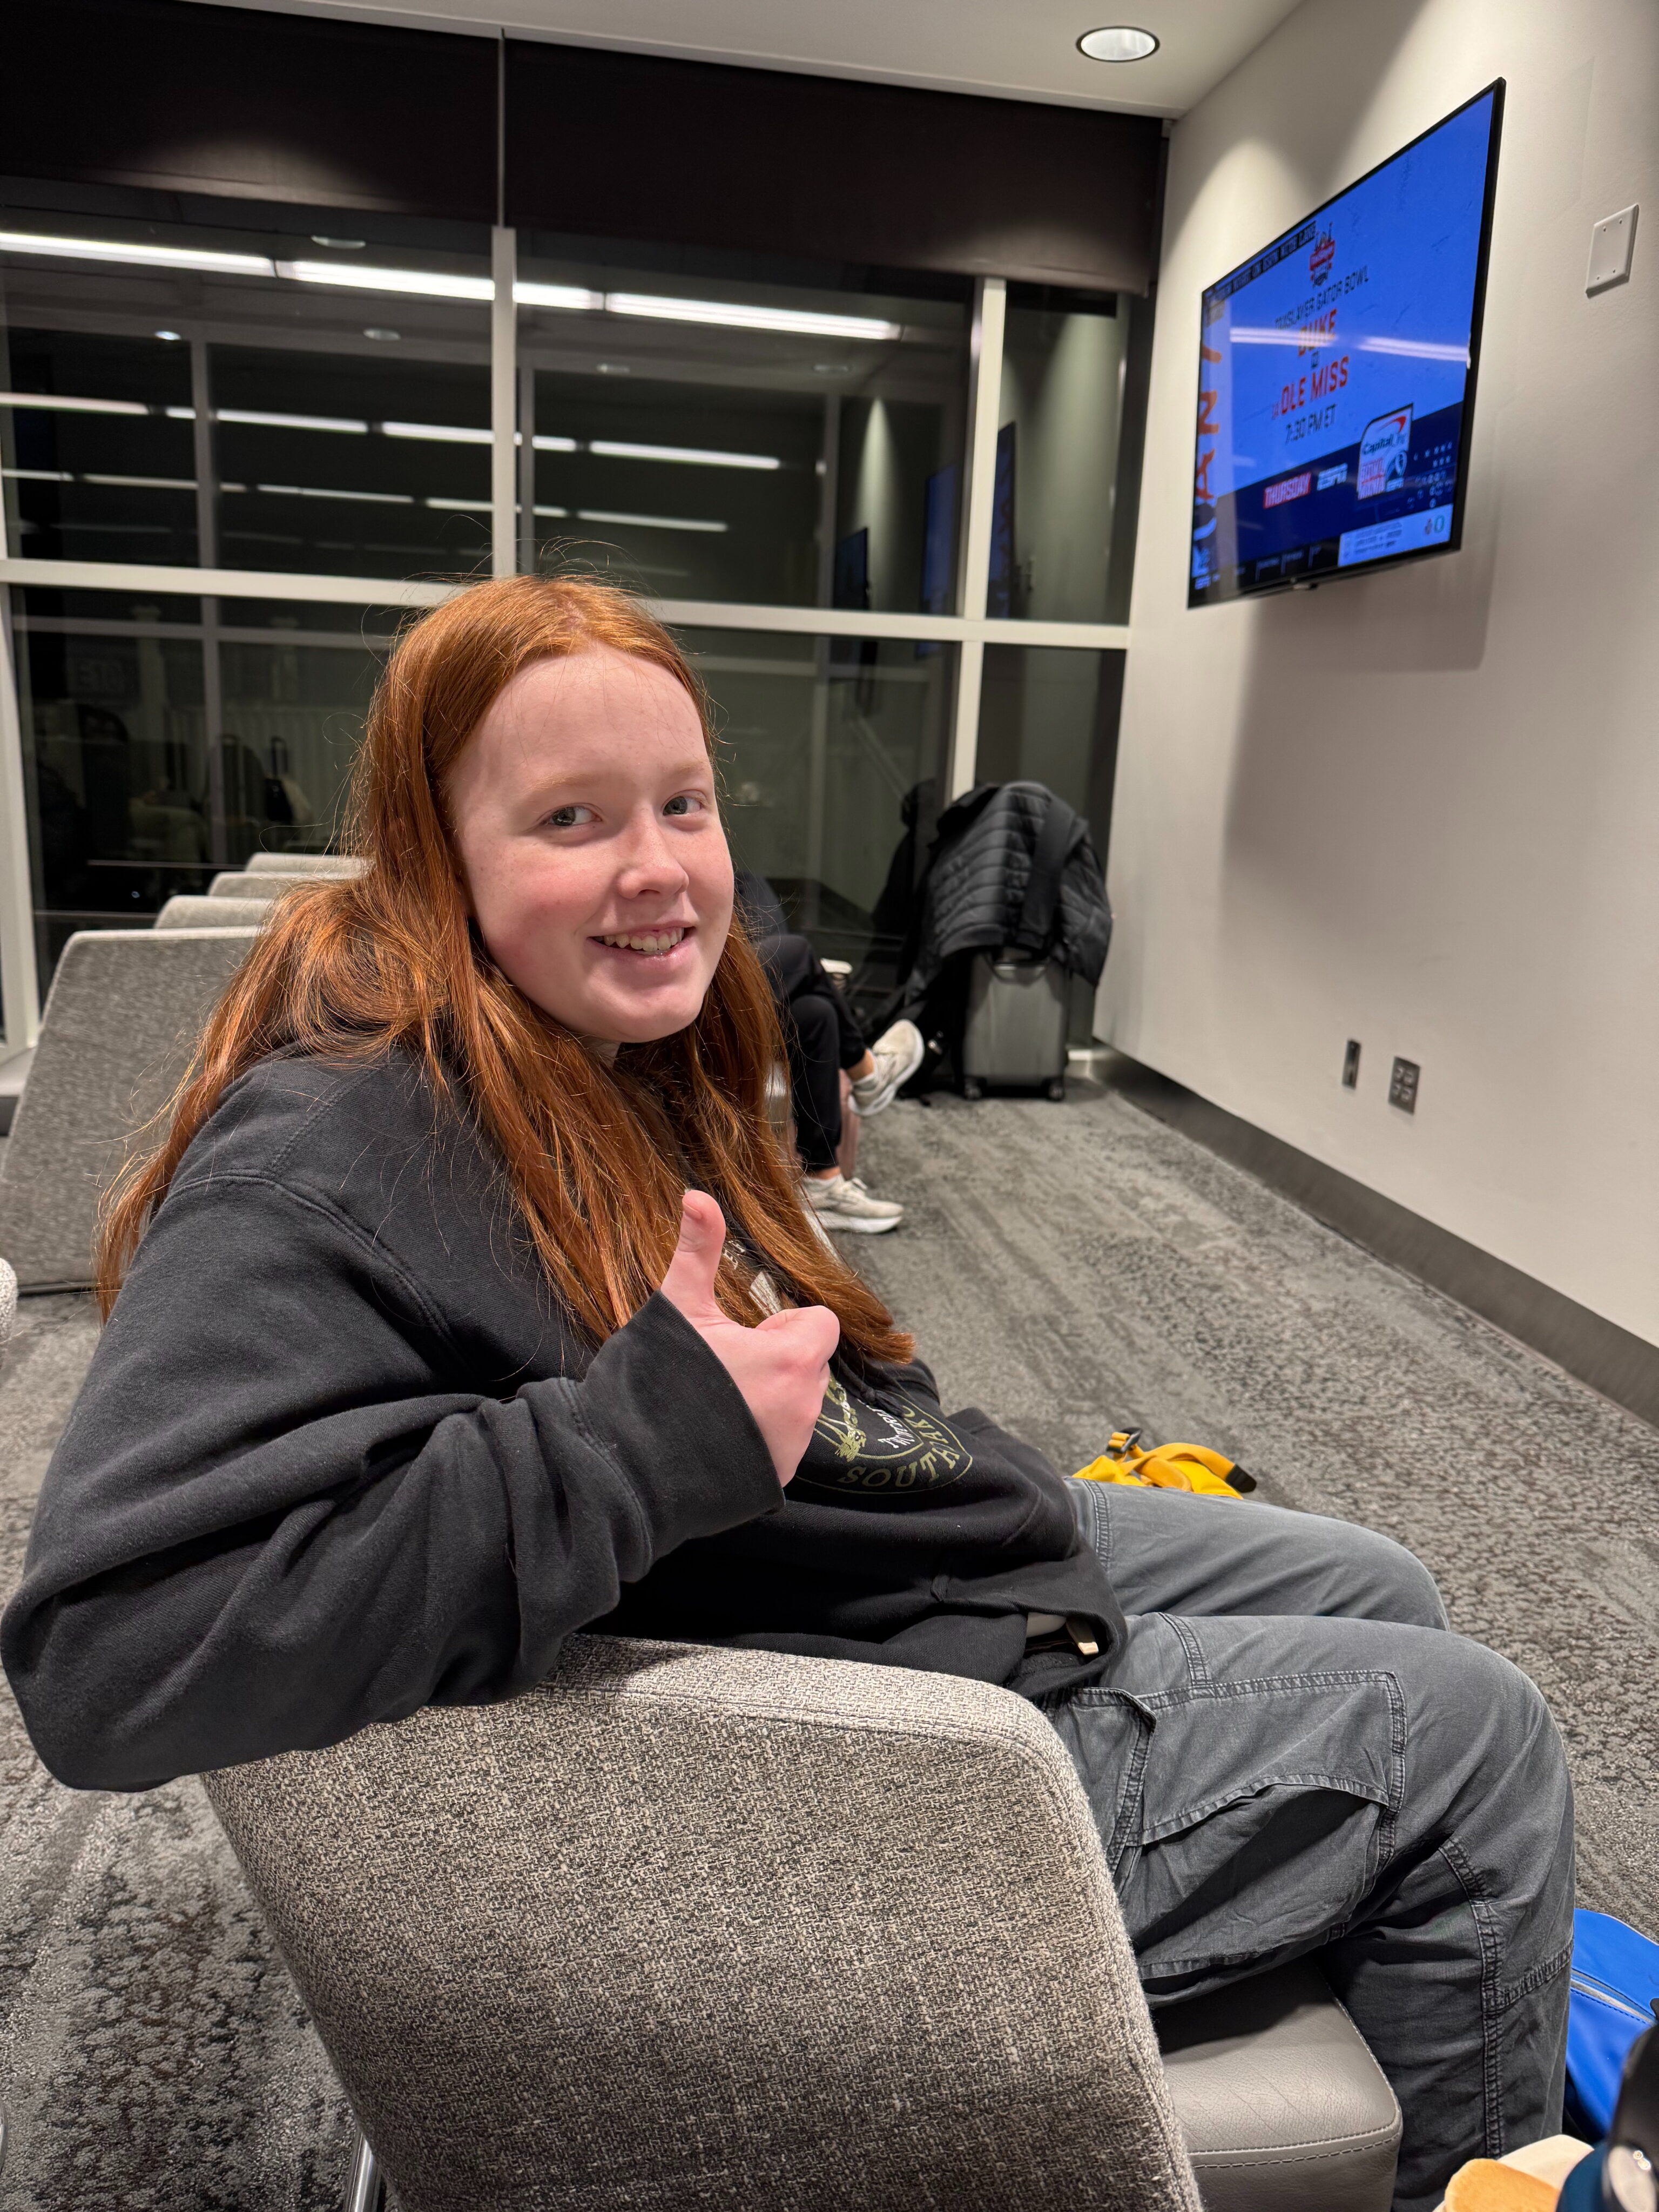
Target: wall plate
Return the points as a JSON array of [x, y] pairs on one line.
[[1351, 1066], [1402, 1085], [1612, 242]]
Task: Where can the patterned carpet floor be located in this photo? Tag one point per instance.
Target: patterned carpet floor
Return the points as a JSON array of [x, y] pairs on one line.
[[1073, 1268]]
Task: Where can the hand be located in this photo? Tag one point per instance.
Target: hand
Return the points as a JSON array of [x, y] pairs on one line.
[[782, 1368]]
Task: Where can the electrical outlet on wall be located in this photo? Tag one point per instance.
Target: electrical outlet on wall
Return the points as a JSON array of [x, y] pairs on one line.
[[1351, 1066], [1402, 1085]]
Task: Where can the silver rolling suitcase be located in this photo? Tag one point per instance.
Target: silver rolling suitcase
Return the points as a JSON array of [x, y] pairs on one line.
[[1015, 1032]]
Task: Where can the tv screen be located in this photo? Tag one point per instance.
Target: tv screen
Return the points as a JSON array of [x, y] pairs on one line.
[[1336, 375]]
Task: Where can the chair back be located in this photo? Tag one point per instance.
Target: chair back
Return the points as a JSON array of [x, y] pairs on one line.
[[268, 875], [304, 863], [125, 1010], [195, 910], [268, 884], [719, 1929]]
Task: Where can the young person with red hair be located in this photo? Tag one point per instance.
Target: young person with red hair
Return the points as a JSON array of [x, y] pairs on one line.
[[469, 1302]]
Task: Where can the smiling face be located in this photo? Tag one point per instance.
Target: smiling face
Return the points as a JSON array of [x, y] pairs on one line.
[[592, 853]]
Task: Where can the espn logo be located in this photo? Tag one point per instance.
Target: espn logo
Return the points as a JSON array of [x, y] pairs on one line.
[[1288, 488]]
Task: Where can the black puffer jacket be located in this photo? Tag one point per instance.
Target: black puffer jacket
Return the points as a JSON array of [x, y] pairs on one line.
[[1011, 865]]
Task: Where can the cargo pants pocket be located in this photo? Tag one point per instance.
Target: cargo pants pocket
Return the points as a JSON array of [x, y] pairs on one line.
[[1244, 1822]]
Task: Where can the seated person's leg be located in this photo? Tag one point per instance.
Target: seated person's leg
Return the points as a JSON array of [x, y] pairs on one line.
[[877, 1070], [814, 1083], [821, 1037], [1391, 1797], [1166, 1552]]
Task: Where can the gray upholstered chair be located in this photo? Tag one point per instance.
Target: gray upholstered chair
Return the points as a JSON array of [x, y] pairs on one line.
[[235, 884], [304, 863], [272, 880], [123, 1013], [192, 910], [692, 1928]]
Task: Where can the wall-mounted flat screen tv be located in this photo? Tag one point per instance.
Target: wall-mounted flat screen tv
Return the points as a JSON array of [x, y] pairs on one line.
[[1336, 375]]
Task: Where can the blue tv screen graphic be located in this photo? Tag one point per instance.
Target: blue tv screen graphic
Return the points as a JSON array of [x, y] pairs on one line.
[[1335, 375]]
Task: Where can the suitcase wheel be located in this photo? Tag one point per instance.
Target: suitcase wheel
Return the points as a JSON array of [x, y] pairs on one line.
[[1056, 1088], [972, 1089]]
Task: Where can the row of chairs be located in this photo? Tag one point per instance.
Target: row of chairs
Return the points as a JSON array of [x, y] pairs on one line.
[[701, 1927], [120, 1021]]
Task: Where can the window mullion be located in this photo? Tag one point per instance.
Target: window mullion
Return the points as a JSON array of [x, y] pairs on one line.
[[19, 979], [985, 405], [206, 550], [504, 401]]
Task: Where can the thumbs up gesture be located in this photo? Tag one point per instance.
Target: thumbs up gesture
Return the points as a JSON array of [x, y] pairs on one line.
[[782, 1368]]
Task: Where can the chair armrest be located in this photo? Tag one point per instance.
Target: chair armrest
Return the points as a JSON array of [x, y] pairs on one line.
[[699, 1922]]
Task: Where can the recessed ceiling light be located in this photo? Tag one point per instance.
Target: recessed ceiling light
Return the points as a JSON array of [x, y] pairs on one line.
[[340, 244], [375, 330], [1118, 42], [173, 337]]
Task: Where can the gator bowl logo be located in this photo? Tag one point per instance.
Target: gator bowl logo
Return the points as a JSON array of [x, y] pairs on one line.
[[1320, 260], [873, 1451]]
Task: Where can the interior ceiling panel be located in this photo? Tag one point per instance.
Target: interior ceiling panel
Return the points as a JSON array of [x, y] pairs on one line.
[[1006, 49]]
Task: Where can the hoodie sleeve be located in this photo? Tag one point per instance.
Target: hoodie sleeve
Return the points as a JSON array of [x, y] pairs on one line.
[[238, 1553]]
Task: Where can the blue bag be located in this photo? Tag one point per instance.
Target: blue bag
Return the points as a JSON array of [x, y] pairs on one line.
[[1615, 1980]]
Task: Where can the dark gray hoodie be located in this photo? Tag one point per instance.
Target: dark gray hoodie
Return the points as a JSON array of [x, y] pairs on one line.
[[339, 1455]]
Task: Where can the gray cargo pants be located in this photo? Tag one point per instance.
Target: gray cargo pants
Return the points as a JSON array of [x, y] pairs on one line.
[[1295, 1754]]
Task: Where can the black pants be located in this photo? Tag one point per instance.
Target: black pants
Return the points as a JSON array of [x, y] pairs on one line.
[[820, 1037]]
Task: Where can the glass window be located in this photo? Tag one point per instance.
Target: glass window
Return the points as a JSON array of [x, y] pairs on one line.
[[340, 365], [382, 469], [1049, 714], [133, 791], [114, 763], [828, 750], [719, 438], [97, 448], [293, 701], [1061, 549]]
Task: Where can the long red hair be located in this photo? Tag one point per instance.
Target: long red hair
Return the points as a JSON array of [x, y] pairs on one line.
[[596, 1157]]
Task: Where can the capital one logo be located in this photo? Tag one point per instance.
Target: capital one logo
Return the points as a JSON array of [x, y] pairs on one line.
[[1320, 260]]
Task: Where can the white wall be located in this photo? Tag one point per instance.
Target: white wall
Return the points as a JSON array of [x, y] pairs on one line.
[[1422, 809]]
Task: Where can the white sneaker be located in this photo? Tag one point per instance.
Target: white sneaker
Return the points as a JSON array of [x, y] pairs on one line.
[[897, 1055], [844, 1203]]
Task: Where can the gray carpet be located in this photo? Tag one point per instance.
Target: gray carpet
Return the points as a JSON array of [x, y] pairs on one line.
[[1071, 1267], [1082, 1267]]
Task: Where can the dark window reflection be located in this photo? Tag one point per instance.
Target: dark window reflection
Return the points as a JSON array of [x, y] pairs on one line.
[[382, 468], [714, 458], [96, 468], [340, 366], [131, 800], [823, 760], [294, 715], [1062, 535], [1049, 714], [114, 735]]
